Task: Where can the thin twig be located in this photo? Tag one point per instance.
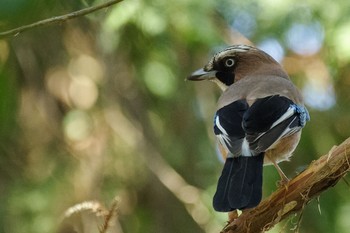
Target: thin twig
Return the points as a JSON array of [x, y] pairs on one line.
[[58, 19], [93, 206], [109, 216]]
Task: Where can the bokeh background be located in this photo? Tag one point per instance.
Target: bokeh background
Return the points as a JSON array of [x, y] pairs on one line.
[[97, 107]]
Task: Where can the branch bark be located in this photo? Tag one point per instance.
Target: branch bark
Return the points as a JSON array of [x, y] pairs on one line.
[[318, 177], [58, 19]]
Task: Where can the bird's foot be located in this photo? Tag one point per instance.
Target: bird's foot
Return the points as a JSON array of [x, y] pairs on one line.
[[233, 215], [284, 179]]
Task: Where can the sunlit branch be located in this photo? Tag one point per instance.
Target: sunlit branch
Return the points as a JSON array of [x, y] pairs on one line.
[[291, 198], [58, 19]]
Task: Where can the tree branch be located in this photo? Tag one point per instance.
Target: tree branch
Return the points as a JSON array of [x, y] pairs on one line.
[[318, 177], [58, 19]]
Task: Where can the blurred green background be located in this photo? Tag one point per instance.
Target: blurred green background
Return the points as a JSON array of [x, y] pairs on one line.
[[97, 107]]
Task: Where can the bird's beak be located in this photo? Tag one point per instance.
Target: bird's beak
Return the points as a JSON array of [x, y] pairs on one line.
[[201, 74]]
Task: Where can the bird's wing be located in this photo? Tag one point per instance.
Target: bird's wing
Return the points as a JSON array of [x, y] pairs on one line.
[[247, 132], [271, 118], [228, 126]]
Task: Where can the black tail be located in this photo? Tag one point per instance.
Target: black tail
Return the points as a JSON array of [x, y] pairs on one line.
[[240, 184]]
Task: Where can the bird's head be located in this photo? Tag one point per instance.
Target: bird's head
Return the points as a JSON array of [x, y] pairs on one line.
[[236, 62]]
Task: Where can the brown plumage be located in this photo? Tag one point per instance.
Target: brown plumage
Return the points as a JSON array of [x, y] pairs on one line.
[[260, 113]]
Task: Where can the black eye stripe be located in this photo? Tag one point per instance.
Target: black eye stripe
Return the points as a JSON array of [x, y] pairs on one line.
[[226, 77]]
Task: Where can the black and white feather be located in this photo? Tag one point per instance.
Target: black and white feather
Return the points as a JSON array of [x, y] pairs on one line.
[[246, 132], [259, 126]]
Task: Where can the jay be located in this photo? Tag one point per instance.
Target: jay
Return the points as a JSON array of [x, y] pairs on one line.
[[258, 121]]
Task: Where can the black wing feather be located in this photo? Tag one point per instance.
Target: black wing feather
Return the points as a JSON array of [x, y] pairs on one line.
[[262, 124], [264, 112], [261, 142], [230, 120], [259, 120]]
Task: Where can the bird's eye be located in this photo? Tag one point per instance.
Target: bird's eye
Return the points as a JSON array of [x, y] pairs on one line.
[[229, 62]]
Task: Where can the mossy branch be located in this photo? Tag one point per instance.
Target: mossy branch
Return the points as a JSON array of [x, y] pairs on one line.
[[291, 198], [58, 19]]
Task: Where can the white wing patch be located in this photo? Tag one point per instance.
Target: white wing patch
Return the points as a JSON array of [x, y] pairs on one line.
[[223, 138], [217, 123], [245, 148], [225, 141], [290, 112]]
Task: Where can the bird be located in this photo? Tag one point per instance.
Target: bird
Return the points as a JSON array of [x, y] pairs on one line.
[[258, 121]]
